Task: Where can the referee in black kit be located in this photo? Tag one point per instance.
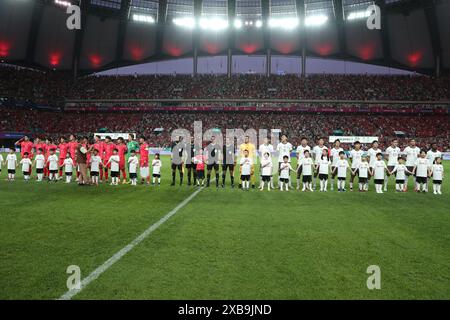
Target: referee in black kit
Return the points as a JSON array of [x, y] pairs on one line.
[[176, 159]]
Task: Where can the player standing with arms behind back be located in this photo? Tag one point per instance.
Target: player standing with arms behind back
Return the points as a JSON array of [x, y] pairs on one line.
[[144, 161], [372, 153], [284, 149], [411, 152], [317, 154], [356, 155], [392, 153], [300, 155]]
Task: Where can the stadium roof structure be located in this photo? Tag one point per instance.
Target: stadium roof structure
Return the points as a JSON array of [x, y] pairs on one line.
[[414, 34]]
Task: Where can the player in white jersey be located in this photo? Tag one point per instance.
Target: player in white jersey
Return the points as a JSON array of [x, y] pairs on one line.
[[401, 170], [307, 165], [95, 163], [133, 164], [334, 155], [26, 166], [68, 165], [341, 169], [411, 153], [356, 155], [422, 170], [392, 154], [437, 170], [379, 171], [323, 166], [372, 153], [266, 170], [363, 171], [285, 172], [317, 154], [266, 147], [53, 166], [433, 153], [39, 164], [300, 155], [284, 148]]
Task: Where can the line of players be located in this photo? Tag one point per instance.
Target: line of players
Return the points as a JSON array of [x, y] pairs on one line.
[[318, 163], [314, 164], [103, 158]]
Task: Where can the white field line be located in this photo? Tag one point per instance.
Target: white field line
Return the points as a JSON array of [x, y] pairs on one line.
[[118, 255]]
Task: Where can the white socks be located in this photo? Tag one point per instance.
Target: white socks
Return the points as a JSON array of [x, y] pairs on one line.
[[437, 189], [281, 186], [379, 188]]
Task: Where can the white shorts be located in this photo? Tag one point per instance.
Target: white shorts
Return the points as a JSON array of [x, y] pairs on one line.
[[144, 171]]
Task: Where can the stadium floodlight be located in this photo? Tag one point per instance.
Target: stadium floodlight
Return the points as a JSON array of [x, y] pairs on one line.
[[63, 3], [316, 20], [214, 23], [283, 23], [355, 15], [258, 23], [238, 24], [143, 18], [185, 22]]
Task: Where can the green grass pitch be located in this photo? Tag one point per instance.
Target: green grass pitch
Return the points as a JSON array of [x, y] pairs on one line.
[[224, 244]]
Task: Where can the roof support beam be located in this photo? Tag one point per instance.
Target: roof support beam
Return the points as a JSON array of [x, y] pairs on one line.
[[340, 24], [123, 21], [301, 15], [387, 55], [265, 13], [231, 35], [162, 16], [433, 29], [196, 34], [36, 19], [79, 33]]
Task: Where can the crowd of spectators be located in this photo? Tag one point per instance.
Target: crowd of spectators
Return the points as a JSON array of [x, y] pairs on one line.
[[50, 87], [56, 86], [424, 128]]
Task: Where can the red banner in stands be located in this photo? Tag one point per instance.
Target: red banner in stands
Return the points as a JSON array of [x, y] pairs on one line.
[[349, 109]]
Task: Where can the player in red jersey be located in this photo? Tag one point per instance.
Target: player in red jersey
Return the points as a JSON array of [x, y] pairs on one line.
[[99, 145], [108, 148], [26, 146], [63, 147], [72, 148], [143, 160], [122, 150]]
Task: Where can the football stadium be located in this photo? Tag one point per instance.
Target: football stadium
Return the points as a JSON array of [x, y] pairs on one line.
[[258, 150]]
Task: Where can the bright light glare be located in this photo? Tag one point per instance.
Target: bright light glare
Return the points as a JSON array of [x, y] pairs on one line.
[[237, 24], [143, 18], [63, 3], [258, 23], [215, 23], [283, 23], [186, 22], [359, 15], [316, 20]]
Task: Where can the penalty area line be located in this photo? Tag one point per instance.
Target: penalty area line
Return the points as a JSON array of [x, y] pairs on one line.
[[118, 255]]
